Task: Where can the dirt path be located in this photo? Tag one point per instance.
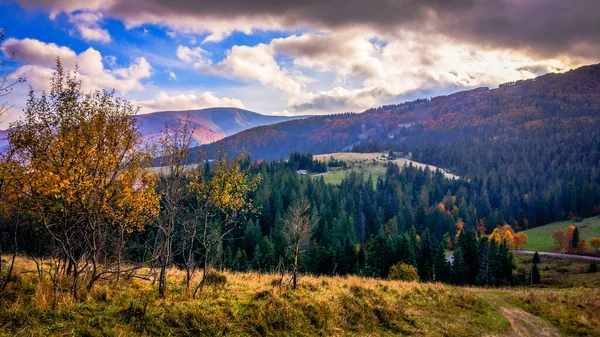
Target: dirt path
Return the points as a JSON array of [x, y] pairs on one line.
[[571, 256], [522, 323], [525, 324]]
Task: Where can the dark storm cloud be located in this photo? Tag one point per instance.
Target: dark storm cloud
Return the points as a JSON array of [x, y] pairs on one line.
[[545, 27]]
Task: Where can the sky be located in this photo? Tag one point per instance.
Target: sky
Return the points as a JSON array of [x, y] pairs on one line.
[[283, 57]]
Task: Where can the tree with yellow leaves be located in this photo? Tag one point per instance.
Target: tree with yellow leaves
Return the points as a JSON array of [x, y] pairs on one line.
[[221, 201], [77, 162], [506, 234]]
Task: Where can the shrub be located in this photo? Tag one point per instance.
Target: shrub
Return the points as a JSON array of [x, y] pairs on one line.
[[563, 269], [593, 267], [215, 279], [403, 272]]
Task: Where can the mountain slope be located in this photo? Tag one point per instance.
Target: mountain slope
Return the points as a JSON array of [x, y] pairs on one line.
[[208, 125], [573, 97]]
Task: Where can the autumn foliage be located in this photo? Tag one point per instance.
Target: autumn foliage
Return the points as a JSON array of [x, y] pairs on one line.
[[506, 234], [565, 241], [76, 165]]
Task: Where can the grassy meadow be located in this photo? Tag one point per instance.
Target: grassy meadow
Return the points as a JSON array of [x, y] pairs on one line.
[[366, 163], [540, 238], [252, 304], [561, 272]]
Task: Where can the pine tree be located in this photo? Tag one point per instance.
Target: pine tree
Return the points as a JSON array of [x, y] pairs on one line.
[[535, 274], [536, 258], [575, 238]]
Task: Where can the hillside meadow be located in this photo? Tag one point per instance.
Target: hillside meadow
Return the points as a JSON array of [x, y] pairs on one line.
[[540, 238], [253, 304], [368, 164]]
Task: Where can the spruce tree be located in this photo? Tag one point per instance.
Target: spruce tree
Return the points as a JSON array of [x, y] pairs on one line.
[[575, 238], [535, 274]]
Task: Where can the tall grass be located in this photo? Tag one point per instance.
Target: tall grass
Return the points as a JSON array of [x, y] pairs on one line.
[[252, 304]]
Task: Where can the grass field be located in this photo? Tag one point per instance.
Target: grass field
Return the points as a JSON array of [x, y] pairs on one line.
[[561, 272], [366, 163], [540, 238], [250, 304]]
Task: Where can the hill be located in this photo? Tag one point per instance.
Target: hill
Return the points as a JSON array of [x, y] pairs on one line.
[[208, 125], [540, 238], [251, 304]]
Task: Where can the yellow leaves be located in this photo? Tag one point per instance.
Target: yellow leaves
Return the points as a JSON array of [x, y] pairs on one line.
[[228, 188], [506, 234], [79, 158]]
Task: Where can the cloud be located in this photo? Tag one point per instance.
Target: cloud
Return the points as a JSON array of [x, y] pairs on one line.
[[172, 75], [199, 57], [549, 28], [88, 26], [40, 58], [369, 70], [257, 63], [189, 101]]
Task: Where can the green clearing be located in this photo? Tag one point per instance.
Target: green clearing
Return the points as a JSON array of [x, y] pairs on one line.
[[540, 238], [365, 163]]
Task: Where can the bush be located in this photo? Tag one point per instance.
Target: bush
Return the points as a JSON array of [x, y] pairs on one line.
[[215, 279], [563, 269], [593, 267], [403, 272]]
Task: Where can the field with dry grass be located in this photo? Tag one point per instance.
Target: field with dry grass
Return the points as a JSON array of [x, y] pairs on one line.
[[252, 304]]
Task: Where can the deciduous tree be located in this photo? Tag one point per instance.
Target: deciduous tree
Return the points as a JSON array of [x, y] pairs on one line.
[[298, 229]]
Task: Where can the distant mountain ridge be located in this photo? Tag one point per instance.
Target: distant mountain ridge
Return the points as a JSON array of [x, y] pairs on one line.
[[207, 125]]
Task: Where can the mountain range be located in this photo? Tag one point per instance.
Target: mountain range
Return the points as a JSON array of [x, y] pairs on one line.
[[207, 125]]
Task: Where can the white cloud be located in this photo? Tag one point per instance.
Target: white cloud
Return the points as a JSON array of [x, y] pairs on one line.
[[87, 24], [370, 69], [40, 58], [258, 64], [172, 75], [199, 57], [187, 101]]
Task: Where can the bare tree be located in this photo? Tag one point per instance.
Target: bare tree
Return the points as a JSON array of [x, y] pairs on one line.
[[298, 228], [174, 146]]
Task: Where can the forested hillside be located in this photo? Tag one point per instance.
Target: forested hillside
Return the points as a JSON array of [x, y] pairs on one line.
[[530, 149]]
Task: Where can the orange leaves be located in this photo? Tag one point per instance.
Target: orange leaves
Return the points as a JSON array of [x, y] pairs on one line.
[[564, 240], [595, 243], [460, 225], [519, 239]]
